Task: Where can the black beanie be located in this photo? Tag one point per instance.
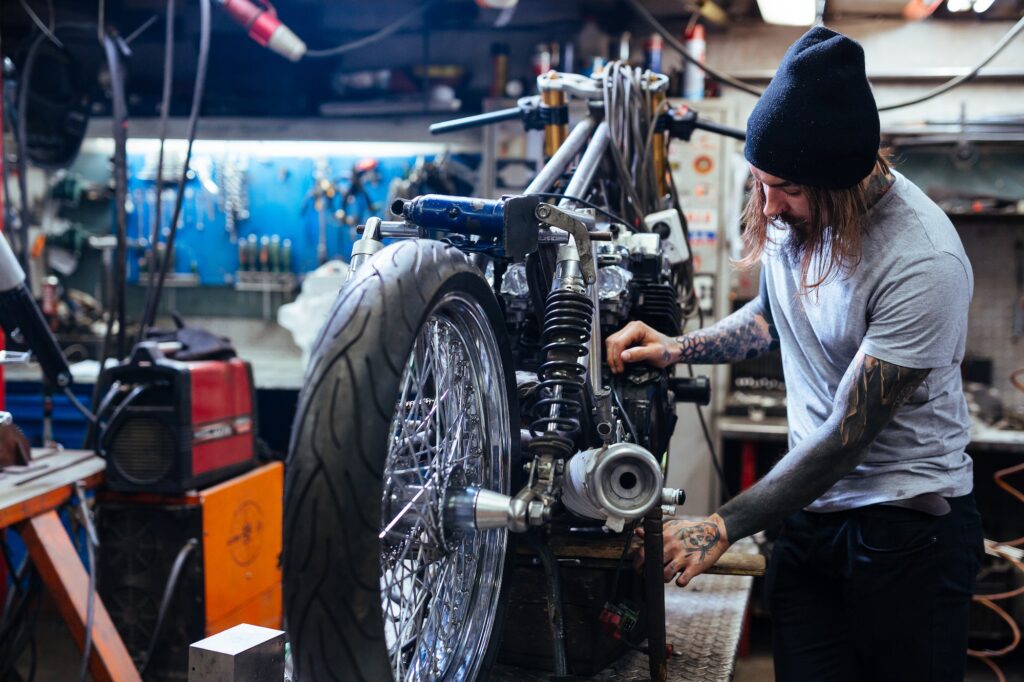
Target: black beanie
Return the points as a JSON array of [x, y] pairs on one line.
[[816, 123]]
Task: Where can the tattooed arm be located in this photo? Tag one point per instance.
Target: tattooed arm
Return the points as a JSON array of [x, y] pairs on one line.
[[743, 335], [867, 398]]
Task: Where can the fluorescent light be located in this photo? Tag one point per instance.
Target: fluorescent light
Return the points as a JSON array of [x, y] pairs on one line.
[[982, 5], [788, 12], [958, 5]]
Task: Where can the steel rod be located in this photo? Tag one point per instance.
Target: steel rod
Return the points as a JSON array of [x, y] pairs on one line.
[[558, 163]]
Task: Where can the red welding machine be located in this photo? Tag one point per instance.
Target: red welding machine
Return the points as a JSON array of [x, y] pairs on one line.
[[168, 426]]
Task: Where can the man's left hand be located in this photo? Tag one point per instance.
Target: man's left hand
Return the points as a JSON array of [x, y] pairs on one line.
[[691, 547]]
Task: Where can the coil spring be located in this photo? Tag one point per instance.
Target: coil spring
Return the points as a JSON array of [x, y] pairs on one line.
[[567, 320]]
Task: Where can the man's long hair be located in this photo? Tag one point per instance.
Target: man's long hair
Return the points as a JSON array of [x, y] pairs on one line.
[[829, 244]]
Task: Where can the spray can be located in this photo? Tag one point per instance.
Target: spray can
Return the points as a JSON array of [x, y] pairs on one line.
[[654, 48], [693, 80]]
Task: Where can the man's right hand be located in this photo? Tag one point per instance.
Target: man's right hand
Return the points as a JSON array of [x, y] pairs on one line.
[[637, 342]]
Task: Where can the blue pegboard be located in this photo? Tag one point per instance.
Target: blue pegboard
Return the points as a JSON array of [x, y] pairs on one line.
[[279, 203]]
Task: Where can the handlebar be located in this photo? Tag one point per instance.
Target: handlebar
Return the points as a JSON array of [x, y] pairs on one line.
[[476, 121]]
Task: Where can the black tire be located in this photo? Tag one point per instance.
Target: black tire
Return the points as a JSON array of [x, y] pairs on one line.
[[333, 489]]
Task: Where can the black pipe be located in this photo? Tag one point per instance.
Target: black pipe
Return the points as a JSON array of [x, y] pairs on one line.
[[554, 598]]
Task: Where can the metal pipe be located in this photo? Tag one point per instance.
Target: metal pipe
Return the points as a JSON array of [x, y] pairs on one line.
[[585, 171], [554, 168], [654, 586]]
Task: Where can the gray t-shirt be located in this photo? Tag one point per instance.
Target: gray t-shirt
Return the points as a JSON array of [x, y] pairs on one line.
[[905, 303]]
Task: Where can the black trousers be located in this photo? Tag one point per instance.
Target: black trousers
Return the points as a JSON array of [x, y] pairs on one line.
[[873, 594]]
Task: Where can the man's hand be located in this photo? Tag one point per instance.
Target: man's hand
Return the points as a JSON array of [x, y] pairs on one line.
[[636, 342], [691, 547]]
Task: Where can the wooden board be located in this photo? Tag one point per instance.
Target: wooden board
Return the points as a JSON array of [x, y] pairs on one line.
[[66, 579], [47, 483]]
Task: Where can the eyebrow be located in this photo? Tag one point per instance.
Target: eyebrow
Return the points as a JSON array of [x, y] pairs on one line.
[[780, 185]]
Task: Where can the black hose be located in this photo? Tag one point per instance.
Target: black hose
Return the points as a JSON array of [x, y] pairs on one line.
[[21, 141], [373, 37], [101, 441], [165, 106], [172, 582], [120, 118], [153, 295]]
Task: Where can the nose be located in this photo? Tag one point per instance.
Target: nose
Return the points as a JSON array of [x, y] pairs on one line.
[[774, 202]]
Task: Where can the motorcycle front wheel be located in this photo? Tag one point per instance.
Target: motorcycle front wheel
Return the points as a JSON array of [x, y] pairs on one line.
[[408, 401]]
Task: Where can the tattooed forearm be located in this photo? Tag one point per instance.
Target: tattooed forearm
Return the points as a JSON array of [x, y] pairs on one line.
[[743, 335], [699, 537], [868, 397], [879, 389]]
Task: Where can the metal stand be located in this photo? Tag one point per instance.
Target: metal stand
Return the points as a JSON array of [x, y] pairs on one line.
[[654, 584]]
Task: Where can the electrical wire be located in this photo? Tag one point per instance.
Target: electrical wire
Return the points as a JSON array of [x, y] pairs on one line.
[[40, 25], [726, 79], [710, 443], [165, 106], [373, 37], [153, 295], [674, 43], [141, 29], [954, 82], [77, 404], [165, 602], [625, 416], [90, 548], [21, 141]]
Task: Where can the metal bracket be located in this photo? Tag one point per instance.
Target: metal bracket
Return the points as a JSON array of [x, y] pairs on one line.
[[565, 220]]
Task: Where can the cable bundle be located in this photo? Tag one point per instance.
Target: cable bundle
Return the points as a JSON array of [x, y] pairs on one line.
[[631, 115]]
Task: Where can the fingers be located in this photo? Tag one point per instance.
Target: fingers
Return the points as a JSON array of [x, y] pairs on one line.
[[686, 576], [673, 566], [656, 354], [633, 333]]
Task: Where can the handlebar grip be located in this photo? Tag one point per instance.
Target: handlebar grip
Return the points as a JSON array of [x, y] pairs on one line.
[[475, 121], [691, 389]]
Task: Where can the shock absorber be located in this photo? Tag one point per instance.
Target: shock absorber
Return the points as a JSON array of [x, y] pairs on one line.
[[567, 329]]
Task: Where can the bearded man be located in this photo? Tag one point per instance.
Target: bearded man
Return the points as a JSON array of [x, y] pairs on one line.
[[865, 288]]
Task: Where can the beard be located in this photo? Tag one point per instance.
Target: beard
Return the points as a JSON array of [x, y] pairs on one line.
[[798, 234]]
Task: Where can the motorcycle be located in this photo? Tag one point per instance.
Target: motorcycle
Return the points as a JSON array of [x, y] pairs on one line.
[[457, 397]]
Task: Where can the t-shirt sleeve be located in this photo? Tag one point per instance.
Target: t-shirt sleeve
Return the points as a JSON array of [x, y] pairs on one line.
[[916, 319]]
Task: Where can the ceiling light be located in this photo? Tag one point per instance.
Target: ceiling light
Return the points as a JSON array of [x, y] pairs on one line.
[[958, 5], [982, 5], [788, 12]]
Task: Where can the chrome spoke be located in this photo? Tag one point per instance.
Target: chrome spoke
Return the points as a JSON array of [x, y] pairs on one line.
[[439, 592]]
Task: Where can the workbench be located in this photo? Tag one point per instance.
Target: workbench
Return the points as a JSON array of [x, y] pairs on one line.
[[29, 499], [704, 621], [775, 429]]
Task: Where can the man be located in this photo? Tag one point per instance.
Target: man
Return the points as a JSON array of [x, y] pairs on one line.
[[865, 289]]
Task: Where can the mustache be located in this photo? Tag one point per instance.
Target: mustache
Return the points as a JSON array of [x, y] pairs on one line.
[[790, 221]]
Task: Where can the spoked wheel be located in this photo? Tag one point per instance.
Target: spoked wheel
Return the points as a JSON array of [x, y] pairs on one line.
[[406, 413]]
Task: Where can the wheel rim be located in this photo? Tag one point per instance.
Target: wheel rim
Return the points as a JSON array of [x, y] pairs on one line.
[[440, 587]]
